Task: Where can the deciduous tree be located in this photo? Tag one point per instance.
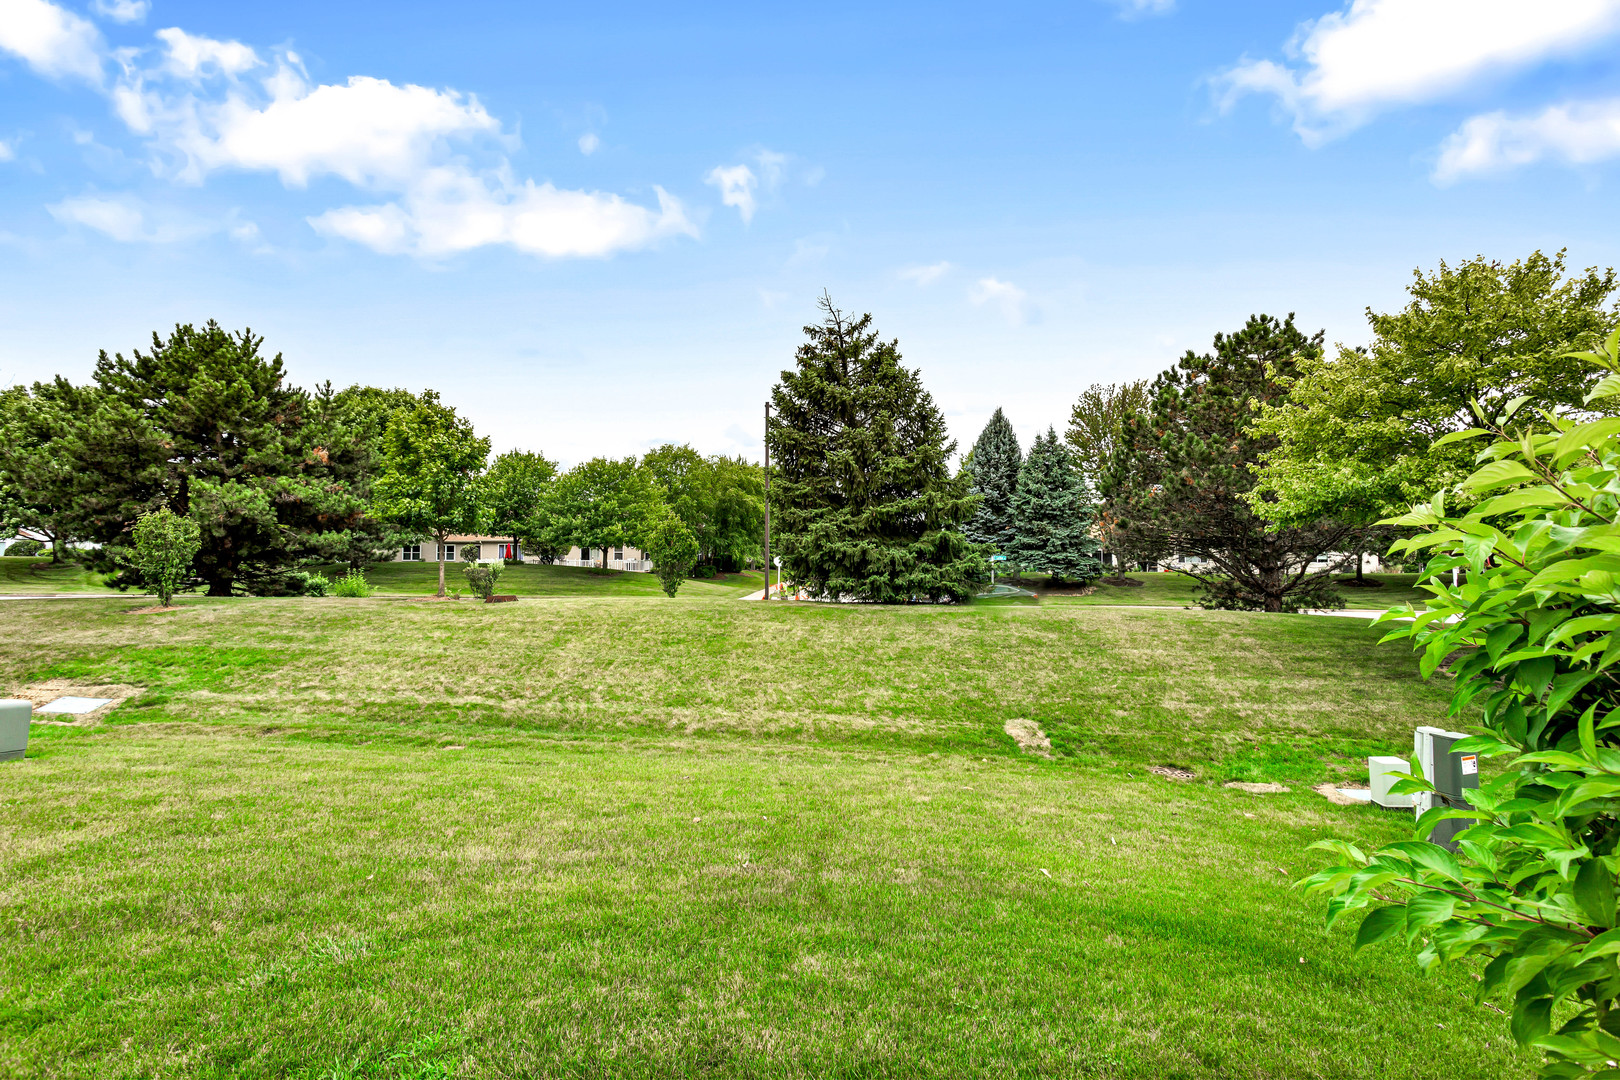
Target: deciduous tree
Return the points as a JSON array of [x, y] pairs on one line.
[[433, 464], [602, 503], [1358, 435]]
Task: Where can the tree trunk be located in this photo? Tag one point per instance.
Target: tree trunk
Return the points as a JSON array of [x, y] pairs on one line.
[[1360, 581], [604, 560], [219, 587], [58, 547], [441, 566]]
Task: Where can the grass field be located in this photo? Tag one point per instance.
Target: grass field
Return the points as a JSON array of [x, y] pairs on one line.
[[1179, 590], [35, 575], [630, 837], [532, 579]]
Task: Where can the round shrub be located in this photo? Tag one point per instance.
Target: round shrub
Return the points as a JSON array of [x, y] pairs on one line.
[[25, 547], [352, 584]]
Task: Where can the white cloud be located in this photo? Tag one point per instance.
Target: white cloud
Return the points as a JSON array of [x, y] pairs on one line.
[[126, 220], [120, 219], [1575, 133], [1379, 54], [7, 151], [51, 40], [926, 275], [123, 11], [771, 165], [736, 184], [588, 143], [451, 210], [1131, 9], [414, 150], [193, 57], [1013, 301]]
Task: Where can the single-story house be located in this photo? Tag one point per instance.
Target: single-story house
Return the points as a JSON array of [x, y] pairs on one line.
[[501, 548]]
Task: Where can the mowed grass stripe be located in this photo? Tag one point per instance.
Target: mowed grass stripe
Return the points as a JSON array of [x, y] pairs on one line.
[[1111, 685], [212, 903]]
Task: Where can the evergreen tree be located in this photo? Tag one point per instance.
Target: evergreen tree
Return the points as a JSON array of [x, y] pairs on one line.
[[993, 466], [1180, 478], [206, 425], [1052, 515], [863, 502]]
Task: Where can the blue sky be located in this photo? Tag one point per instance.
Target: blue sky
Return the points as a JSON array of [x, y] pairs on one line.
[[597, 232]]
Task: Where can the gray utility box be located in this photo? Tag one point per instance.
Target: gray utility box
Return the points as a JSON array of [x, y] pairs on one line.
[[14, 716], [1378, 778], [1453, 774]]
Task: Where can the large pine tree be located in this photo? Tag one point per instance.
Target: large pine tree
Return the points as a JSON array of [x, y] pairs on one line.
[[207, 426], [863, 502], [994, 466], [1052, 515], [1181, 478]]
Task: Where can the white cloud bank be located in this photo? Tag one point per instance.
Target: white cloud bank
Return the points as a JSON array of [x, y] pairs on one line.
[[1574, 133], [411, 147], [53, 41], [1380, 54]]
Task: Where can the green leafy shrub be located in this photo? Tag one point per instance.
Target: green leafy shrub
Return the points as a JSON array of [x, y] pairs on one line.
[[352, 584], [703, 572], [165, 545], [1534, 636], [25, 547], [482, 577], [673, 549], [312, 583]]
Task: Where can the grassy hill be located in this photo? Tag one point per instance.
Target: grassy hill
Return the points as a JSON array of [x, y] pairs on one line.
[[619, 836]]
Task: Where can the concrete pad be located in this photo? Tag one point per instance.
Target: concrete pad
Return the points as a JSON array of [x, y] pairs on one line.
[[75, 705]]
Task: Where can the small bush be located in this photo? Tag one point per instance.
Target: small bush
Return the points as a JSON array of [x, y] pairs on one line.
[[165, 544], [352, 584], [704, 571], [300, 583], [25, 547], [481, 578]]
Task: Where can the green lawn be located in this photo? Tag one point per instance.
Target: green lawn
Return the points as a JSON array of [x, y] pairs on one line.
[[422, 579], [1179, 590], [35, 575], [631, 837]]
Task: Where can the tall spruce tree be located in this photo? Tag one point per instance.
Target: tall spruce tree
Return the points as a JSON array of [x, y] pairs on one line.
[[863, 502], [993, 466], [1052, 515]]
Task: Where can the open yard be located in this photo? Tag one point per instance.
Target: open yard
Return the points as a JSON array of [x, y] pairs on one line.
[[633, 837]]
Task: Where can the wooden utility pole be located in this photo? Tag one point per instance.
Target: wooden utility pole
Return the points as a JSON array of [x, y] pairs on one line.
[[767, 500]]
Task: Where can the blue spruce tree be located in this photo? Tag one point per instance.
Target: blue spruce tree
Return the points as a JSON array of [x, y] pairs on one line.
[[1052, 516]]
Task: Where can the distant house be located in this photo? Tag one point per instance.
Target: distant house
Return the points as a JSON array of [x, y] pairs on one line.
[[1344, 561], [500, 548]]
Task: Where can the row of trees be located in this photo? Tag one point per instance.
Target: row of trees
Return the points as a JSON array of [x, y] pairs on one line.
[[1259, 456], [1268, 452], [276, 478]]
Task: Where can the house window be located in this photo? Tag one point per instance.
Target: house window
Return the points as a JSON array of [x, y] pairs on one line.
[[585, 554], [449, 553], [618, 554], [412, 553]]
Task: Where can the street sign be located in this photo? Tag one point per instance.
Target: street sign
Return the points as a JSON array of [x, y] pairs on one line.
[[998, 558]]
